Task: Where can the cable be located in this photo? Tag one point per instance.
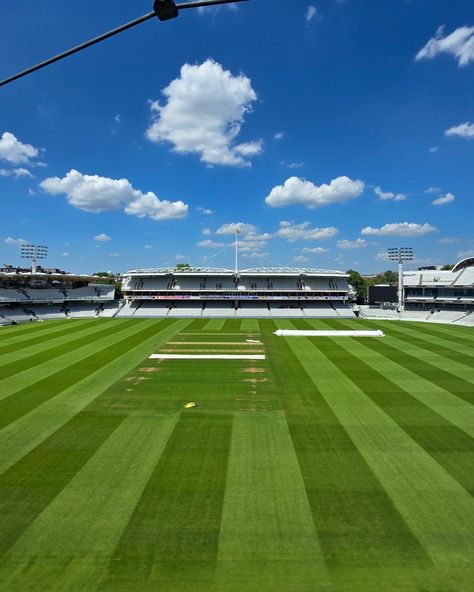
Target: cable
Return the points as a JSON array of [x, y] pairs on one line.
[[121, 29], [201, 3], [78, 48]]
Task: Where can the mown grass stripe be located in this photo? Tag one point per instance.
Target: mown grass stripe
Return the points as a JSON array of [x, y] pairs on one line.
[[267, 538], [437, 509], [426, 427], [11, 332], [197, 324], [445, 403], [53, 343], [214, 325], [44, 353], [428, 345], [408, 330], [448, 381], [54, 330], [356, 521], [72, 540], [23, 401], [172, 538], [28, 487], [232, 325], [30, 376], [250, 325], [455, 333], [23, 435]]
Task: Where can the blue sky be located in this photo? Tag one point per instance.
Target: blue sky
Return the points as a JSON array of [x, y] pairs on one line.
[[325, 131]]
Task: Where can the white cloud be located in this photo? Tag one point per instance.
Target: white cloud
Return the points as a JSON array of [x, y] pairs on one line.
[[250, 148], [387, 196], [407, 229], [448, 240], [258, 255], [466, 254], [148, 247], [209, 9], [295, 165], [251, 245], [16, 173], [279, 135], [204, 112], [382, 256], [92, 193], [14, 151], [180, 257], [149, 206], [292, 232], [15, 241], [66, 254], [360, 243], [443, 200], [210, 244], [434, 149], [299, 191], [115, 255], [315, 250], [250, 239], [464, 130], [206, 231], [311, 13], [433, 190], [102, 237], [300, 259], [206, 211], [460, 44], [234, 227]]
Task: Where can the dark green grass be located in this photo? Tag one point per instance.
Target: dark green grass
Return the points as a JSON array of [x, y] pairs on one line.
[[172, 537], [328, 467], [29, 486], [347, 500]]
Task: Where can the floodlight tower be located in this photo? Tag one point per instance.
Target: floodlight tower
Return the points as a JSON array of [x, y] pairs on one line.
[[33, 253], [400, 254]]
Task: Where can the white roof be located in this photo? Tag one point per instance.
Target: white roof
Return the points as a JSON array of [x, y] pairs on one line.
[[257, 271]]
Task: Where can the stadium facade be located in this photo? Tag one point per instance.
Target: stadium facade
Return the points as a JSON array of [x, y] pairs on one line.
[[279, 292], [444, 290], [26, 296], [217, 292]]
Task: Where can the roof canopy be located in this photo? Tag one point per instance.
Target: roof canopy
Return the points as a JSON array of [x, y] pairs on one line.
[[469, 262], [267, 271]]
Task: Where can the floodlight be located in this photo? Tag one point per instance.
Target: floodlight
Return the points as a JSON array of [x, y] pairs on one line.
[[33, 253], [400, 254]]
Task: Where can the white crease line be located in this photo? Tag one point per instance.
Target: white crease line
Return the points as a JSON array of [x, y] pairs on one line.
[[205, 357]]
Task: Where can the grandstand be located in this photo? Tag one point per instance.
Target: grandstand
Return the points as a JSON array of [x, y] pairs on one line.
[[443, 296], [28, 297], [216, 292]]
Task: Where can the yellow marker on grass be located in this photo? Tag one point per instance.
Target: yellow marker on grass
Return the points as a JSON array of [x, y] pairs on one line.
[[190, 405]]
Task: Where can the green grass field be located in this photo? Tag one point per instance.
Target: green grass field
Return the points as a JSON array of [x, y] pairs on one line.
[[335, 465]]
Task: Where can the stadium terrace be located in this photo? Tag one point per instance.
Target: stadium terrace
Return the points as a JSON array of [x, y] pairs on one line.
[[217, 292]]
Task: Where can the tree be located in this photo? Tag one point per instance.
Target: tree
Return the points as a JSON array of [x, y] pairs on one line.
[[359, 284], [447, 267], [182, 266]]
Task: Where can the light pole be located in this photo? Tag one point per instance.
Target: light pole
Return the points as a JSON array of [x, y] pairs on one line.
[[33, 253], [400, 254]]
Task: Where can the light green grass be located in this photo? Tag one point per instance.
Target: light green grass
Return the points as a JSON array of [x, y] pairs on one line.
[[335, 465]]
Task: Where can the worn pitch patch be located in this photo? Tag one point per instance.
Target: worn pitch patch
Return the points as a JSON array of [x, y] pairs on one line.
[[297, 333], [206, 357]]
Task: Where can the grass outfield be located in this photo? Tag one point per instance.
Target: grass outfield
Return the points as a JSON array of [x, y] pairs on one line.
[[335, 464]]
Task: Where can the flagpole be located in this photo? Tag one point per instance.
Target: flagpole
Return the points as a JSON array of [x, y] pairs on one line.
[[236, 251]]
